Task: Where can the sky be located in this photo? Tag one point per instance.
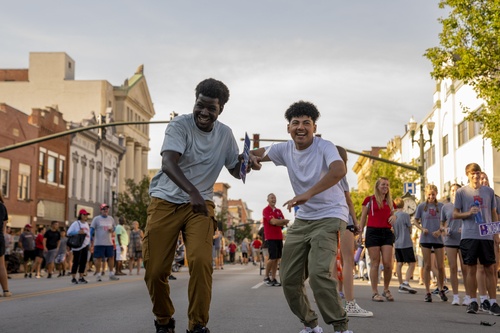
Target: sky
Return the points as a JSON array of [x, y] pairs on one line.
[[360, 62]]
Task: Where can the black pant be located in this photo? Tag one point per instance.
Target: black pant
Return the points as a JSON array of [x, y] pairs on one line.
[[80, 260]]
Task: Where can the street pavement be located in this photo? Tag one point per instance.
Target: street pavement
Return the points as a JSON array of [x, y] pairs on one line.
[[241, 303]]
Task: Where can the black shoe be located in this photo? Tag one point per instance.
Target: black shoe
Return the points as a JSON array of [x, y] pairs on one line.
[[495, 309], [171, 277], [472, 307], [169, 328], [275, 283], [25, 275], [443, 296], [30, 275], [199, 329], [73, 280], [428, 298], [49, 276], [60, 274], [267, 281], [82, 280], [485, 306]]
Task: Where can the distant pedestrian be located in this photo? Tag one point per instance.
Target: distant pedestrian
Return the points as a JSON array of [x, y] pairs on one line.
[[60, 260], [4, 217], [80, 254], [39, 249], [135, 247], [27, 244], [403, 247], [121, 241], [452, 235], [256, 245], [232, 247], [217, 240], [51, 240], [274, 221], [245, 251], [101, 231]]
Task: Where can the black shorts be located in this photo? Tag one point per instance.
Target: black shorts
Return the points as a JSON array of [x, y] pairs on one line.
[[39, 253], [244, 254], [378, 237], [2, 245], [275, 248], [29, 255], [474, 249], [432, 246], [405, 255]]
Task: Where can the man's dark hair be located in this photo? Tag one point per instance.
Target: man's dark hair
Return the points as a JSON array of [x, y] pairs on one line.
[[214, 89], [121, 220], [301, 108]]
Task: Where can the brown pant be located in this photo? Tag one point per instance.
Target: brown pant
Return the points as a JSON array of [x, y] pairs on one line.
[[165, 221]]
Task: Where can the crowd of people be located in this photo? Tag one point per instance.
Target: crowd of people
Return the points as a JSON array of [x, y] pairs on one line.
[[324, 236], [105, 245]]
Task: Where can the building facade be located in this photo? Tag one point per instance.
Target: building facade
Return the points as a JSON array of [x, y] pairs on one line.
[[50, 80]]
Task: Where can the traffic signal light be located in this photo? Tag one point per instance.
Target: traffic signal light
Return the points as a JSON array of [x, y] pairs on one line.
[[256, 143]]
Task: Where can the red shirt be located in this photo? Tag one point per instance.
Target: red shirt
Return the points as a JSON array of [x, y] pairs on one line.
[[377, 217], [272, 232], [39, 241], [232, 248], [256, 244]]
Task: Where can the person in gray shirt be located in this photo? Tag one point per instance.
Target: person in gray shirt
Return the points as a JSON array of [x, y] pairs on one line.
[[403, 247], [475, 205]]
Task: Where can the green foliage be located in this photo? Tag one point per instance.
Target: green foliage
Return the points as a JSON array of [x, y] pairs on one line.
[[397, 175], [134, 201], [470, 52], [242, 233]]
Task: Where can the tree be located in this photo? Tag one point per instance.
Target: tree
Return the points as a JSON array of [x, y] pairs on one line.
[[470, 52], [134, 201]]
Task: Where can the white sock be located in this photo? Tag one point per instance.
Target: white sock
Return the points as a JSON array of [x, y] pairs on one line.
[[492, 301], [483, 298]]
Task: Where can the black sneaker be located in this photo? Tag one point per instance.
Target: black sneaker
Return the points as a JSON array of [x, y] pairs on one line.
[[199, 329], [485, 306], [275, 283], [82, 280], [443, 296], [495, 309], [472, 307], [49, 276], [74, 281], [171, 277], [428, 297], [169, 328], [30, 275], [25, 275], [267, 281]]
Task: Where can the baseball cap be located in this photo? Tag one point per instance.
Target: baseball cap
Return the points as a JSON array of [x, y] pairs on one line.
[[83, 212], [104, 205], [27, 226]]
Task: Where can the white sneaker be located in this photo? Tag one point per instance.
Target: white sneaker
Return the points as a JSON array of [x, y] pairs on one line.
[[98, 278], [466, 300], [317, 329], [456, 300], [354, 310]]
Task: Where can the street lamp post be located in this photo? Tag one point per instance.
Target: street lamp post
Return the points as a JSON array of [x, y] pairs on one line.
[[421, 143], [113, 198]]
